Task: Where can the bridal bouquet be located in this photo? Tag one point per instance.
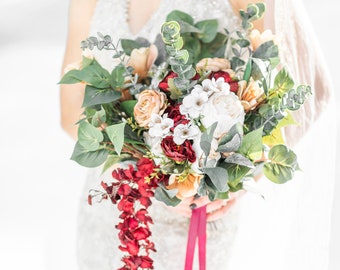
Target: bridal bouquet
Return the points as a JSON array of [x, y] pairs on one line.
[[200, 113]]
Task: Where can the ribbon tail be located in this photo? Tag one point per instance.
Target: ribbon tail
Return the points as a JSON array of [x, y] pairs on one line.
[[202, 238], [193, 231]]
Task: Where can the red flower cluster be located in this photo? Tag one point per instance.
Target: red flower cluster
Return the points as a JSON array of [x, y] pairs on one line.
[[226, 76], [130, 190]]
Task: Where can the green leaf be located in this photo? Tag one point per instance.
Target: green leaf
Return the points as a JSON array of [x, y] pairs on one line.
[[167, 196], [243, 42], [128, 107], [283, 163], [129, 45], [218, 176], [209, 30], [71, 77], [117, 77], [232, 140], [112, 160], [252, 145], [266, 51], [282, 83], [88, 158], [206, 139], [247, 72], [238, 159], [89, 136], [177, 15], [116, 136], [95, 75], [98, 118], [94, 96]]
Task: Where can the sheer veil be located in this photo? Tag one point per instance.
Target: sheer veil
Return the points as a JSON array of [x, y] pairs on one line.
[[290, 227]]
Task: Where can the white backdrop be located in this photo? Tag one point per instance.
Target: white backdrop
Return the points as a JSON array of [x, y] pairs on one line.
[[39, 185]]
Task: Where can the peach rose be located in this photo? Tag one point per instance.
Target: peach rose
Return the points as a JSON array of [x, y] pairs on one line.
[[213, 64], [250, 95], [257, 38], [142, 59], [187, 187], [149, 102]]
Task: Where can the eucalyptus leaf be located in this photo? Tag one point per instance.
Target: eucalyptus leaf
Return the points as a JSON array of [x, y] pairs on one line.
[[89, 136], [88, 158], [116, 136], [206, 139]]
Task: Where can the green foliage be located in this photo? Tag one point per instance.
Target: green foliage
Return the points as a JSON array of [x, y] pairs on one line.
[[167, 196], [88, 158], [282, 165], [89, 137], [252, 145], [116, 136]]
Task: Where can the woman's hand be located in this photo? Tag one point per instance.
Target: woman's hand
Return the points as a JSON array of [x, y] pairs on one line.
[[215, 209]]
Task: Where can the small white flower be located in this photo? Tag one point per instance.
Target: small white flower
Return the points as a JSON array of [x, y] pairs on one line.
[[160, 126], [193, 103], [185, 132], [215, 86]]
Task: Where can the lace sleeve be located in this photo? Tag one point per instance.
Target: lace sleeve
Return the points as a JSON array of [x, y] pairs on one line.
[[302, 56]]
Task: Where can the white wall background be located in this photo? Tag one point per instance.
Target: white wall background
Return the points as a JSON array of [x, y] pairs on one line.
[[39, 185]]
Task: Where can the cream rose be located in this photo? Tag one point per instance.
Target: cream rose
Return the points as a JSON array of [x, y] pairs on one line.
[[149, 102], [142, 59], [213, 64]]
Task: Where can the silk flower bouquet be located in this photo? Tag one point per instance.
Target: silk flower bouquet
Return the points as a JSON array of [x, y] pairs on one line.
[[201, 120]]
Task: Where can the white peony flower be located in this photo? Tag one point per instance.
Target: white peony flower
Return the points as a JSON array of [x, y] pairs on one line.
[[160, 126], [193, 103], [225, 109], [185, 132]]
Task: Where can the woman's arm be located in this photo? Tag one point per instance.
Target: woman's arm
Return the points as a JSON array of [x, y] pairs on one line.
[[71, 95]]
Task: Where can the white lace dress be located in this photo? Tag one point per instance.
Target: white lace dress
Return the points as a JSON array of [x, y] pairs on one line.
[[97, 237], [287, 230]]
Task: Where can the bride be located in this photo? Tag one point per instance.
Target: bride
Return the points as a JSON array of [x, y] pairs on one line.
[[287, 230]]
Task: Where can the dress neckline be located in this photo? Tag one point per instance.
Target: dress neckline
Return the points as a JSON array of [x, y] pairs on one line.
[[146, 24]]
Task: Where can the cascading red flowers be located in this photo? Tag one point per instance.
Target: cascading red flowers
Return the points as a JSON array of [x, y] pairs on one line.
[[132, 190]]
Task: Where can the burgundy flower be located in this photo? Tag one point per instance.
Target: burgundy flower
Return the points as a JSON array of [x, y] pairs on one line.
[[145, 167], [175, 114], [178, 153], [164, 85]]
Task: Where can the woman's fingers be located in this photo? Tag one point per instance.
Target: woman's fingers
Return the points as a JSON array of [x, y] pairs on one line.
[[220, 212]]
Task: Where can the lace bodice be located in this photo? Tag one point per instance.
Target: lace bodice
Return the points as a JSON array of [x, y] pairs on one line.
[[111, 18]]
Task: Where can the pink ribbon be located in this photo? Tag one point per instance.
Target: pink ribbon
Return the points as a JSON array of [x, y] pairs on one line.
[[197, 229]]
